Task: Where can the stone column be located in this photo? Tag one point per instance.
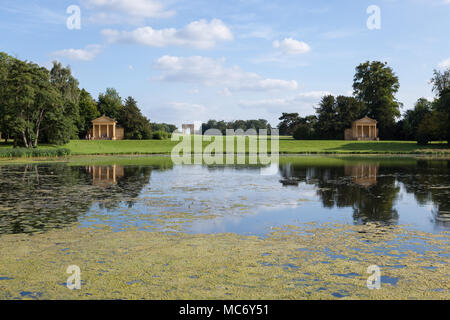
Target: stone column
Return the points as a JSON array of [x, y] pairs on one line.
[[107, 131], [114, 131]]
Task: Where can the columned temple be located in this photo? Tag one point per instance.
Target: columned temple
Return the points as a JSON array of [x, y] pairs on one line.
[[105, 128], [362, 129]]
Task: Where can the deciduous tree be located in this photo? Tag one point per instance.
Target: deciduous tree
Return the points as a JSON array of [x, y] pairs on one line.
[[376, 84]]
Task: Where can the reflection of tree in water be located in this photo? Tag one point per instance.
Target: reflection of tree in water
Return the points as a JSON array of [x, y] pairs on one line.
[[372, 189], [357, 186], [119, 183], [38, 197], [429, 182]]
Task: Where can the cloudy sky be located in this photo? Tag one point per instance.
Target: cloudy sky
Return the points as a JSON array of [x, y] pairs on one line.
[[192, 60]]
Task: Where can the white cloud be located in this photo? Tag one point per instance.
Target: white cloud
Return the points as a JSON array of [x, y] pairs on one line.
[[211, 72], [444, 64], [181, 112], [303, 103], [198, 34], [134, 8], [185, 106], [225, 92], [291, 46], [86, 54]]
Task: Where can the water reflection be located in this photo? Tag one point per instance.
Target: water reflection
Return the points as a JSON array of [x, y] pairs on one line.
[[372, 189], [39, 197], [105, 176], [118, 183], [363, 174]]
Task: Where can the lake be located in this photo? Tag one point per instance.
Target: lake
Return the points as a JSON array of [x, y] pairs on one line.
[[150, 195], [216, 199]]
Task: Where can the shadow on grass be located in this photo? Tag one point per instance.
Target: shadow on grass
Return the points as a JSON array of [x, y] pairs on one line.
[[387, 147]]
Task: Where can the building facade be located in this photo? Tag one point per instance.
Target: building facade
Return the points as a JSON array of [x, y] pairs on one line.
[[105, 128], [362, 129]]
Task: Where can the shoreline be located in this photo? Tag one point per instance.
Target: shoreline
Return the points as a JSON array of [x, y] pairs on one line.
[[429, 155]]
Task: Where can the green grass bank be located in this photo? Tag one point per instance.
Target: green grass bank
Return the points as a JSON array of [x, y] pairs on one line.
[[287, 145]]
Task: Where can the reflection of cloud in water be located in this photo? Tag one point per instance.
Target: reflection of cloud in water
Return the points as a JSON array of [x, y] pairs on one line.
[[224, 198]]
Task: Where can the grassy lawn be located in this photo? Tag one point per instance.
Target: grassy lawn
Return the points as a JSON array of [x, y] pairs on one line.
[[341, 146], [287, 146]]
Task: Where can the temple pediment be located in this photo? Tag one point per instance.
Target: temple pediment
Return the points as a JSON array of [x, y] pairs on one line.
[[366, 119], [104, 119]]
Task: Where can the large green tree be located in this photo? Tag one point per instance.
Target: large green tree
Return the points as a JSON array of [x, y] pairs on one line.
[[31, 100], [288, 124], [348, 109], [88, 111], [63, 126], [306, 129], [413, 118], [326, 117], [5, 121], [334, 115], [435, 126], [110, 103], [376, 84], [440, 81], [441, 106], [136, 126]]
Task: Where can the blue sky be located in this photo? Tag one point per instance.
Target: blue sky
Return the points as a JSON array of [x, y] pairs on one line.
[[192, 60]]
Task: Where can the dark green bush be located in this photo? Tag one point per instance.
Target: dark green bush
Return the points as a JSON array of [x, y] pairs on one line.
[[422, 139], [161, 135], [303, 132]]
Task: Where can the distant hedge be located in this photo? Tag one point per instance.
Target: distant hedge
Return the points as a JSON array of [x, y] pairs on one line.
[[161, 135], [28, 153]]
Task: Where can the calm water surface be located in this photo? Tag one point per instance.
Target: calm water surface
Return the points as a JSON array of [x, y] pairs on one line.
[[217, 199]]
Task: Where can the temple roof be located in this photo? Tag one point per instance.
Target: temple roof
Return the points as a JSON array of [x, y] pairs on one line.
[[366, 119], [104, 119]]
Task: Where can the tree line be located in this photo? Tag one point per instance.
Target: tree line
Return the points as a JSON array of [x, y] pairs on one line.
[[38, 105], [374, 88], [244, 125]]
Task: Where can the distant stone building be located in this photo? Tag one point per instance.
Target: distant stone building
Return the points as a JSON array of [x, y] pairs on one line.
[[362, 129], [105, 128], [188, 128]]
